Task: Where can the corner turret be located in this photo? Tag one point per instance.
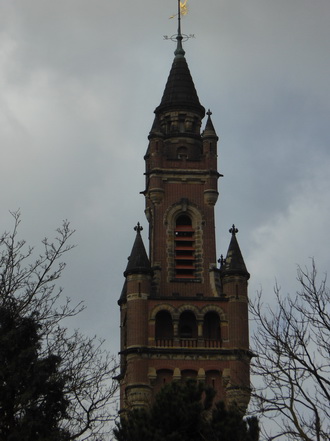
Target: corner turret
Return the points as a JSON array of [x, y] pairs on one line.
[[234, 263], [134, 332], [138, 261], [234, 277]]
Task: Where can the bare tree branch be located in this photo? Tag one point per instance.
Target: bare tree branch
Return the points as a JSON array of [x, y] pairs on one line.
[[28, 285], [292, 367]]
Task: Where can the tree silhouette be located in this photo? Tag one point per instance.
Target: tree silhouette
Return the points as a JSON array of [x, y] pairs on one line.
[[32, 399], [186, 412], [48, 374], [291, 367]]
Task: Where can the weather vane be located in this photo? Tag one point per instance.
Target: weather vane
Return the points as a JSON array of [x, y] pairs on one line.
[[182, 10]]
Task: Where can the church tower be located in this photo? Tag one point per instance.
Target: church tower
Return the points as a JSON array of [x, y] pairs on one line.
[[183, 316]]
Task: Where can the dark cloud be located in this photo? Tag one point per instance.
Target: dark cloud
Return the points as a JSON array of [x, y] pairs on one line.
[[79, 81]]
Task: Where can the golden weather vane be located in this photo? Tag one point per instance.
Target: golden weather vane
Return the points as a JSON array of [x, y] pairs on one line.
[[182, 8]]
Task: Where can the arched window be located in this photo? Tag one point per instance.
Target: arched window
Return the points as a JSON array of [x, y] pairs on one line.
[[187, 326], [188, 374], [211, 329], [182, 153], [184, 248], [164, 329], [213, 379], [164, 376]]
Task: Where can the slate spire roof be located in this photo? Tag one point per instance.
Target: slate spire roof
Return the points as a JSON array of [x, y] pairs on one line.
[[180, 92], [138, 261], [234, 263], [209, 127]]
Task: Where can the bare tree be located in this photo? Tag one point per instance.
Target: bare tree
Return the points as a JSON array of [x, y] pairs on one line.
[[28, 285], [292, 363]]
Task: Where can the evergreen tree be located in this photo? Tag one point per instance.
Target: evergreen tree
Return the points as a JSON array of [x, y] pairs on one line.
[[229, 425], [32, 401], [185, 412]]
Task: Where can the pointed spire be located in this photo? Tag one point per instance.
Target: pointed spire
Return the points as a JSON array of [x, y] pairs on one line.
[[209, 127], [180, 92], [138, 261], [234, 264]]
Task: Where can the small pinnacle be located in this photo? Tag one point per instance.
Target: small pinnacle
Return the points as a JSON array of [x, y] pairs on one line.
[[221, 260], [138, 228], [233, 230], [209, 113]]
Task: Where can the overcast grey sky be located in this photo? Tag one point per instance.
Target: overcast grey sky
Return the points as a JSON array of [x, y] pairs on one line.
[[79, 81]]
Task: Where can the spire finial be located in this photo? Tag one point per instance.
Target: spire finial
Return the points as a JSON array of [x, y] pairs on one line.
[[222, 260], [179, 37], [233, 230], [209, 113], [138, 228], [179, 49]]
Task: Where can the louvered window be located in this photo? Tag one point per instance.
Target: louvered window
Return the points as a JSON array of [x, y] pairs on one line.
[[184, 248]]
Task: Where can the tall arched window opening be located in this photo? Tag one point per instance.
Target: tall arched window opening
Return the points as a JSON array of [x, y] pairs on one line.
[[211, 329], [164, 329], [184, 248], [188, 329]]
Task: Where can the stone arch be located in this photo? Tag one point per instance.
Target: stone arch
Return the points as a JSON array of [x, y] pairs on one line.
[[184, 206], [214, 308], [162, 307], [188, 307]]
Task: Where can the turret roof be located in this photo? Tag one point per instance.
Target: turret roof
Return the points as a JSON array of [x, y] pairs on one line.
[[234, 263], [209, 127], [180, 91], [138, 261]]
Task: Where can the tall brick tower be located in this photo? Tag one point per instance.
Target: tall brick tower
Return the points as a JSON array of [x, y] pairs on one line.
[[182, 316]]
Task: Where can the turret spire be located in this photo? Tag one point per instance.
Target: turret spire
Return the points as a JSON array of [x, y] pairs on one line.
[[234, 262], [209, 128], [138, 261]]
